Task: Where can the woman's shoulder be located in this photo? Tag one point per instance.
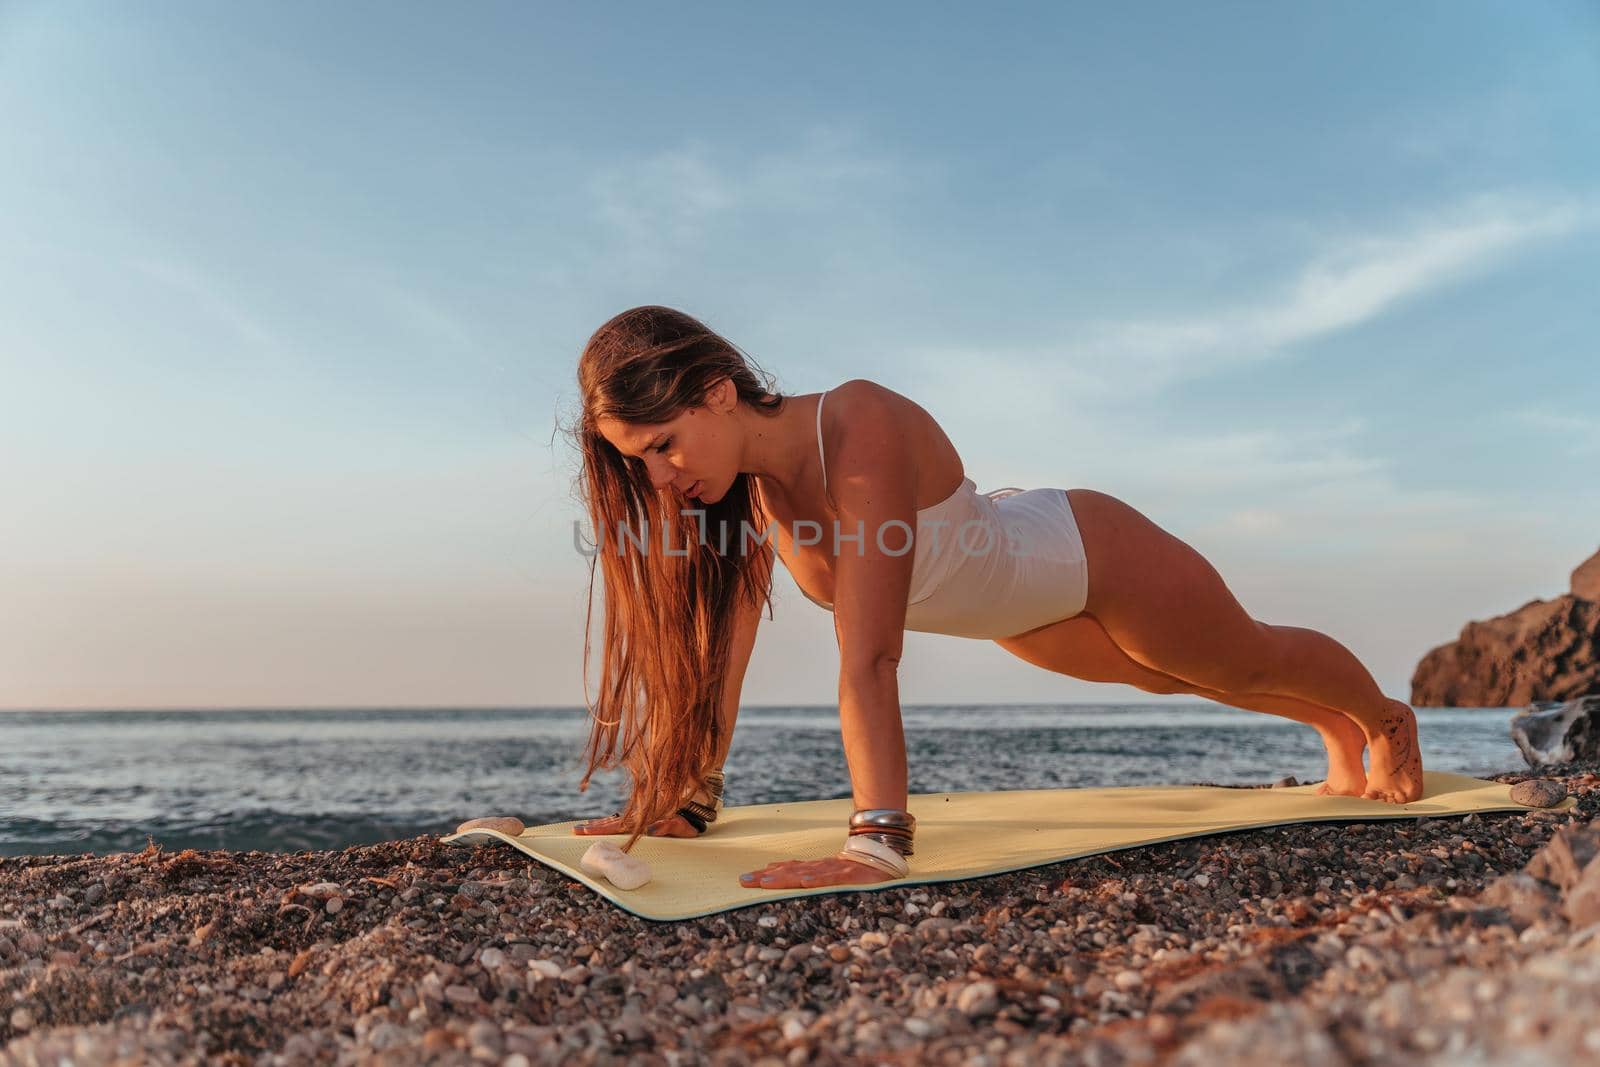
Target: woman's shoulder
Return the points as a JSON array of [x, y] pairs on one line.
[[867, 397], [869, 409]]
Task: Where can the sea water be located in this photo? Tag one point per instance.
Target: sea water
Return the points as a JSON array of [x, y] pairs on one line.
[[111, 781]]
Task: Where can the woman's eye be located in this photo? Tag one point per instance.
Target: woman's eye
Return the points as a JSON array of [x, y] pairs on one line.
[[663, 446]]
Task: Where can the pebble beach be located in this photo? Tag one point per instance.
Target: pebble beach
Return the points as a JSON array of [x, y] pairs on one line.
[[1430, 940]]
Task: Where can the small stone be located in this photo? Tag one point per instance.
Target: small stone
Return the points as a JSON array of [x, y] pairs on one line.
[[385, 1035], [1582, 903], [1564, 856], [545, 968], [299, 1048], [630, 1024], [978, 1000], [492, 958], [1202, 880], [486, 1036], [334, 905], [438, 1039], [1285, 783], [504, 824], [1128, 980], [623, 870], [1538, 793], [21, 1019], [461, 994]]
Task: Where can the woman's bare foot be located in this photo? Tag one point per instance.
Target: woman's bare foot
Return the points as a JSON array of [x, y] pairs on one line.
[[1396, 775], [1346, 775]]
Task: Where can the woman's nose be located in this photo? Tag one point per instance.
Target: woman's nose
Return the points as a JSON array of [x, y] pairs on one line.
[[661, 475]]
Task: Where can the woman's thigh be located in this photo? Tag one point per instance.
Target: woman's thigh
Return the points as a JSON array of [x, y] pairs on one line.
[[1165, 605], [1081, 648]]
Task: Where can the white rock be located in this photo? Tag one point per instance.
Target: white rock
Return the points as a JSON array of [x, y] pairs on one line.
[[505, 824], [606, 860]]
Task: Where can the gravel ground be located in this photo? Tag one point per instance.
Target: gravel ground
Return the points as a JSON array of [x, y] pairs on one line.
[[1456, 940]]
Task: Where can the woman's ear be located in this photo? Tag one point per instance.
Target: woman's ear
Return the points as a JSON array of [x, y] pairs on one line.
[[722, 397]]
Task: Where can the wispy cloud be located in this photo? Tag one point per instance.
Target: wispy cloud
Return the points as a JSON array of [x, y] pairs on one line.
[[1352, 282], [406, 308], [674, 199], [380, 300], [209, 297], [1580, 433]]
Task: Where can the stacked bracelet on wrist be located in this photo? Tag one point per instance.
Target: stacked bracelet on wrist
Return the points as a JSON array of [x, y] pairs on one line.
[[698, 815], [882, 838]]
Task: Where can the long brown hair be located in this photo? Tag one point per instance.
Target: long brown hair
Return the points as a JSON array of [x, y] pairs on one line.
[[668, 617]]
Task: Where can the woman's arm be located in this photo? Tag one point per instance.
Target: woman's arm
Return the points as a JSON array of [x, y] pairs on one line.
[[874, 488], [746, 619], [873, 478]]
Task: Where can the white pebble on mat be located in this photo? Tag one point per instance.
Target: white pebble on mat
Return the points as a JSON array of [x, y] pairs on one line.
[[505, 824], [606, 860]]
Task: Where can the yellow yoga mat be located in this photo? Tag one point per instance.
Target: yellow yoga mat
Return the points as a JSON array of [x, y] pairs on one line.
[[964, 835]]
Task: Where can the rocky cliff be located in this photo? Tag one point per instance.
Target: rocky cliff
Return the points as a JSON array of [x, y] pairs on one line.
[[1545, 650]]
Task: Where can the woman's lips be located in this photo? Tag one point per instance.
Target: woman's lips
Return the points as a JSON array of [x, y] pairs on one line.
[[693, 489]]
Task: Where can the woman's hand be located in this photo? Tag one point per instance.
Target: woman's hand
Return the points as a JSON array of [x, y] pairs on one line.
[[809, 874], [671, 826]]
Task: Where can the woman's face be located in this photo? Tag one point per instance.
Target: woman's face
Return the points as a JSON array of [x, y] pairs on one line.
[[694, 452]]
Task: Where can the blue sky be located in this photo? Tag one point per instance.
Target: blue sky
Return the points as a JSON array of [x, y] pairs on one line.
[[291, 296]]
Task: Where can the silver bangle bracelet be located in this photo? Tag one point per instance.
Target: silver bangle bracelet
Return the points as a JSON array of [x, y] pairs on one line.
[[887, 818], [872, 854], [897, 842]]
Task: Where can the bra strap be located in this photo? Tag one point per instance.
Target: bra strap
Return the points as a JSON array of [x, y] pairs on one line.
[[821, 457]]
